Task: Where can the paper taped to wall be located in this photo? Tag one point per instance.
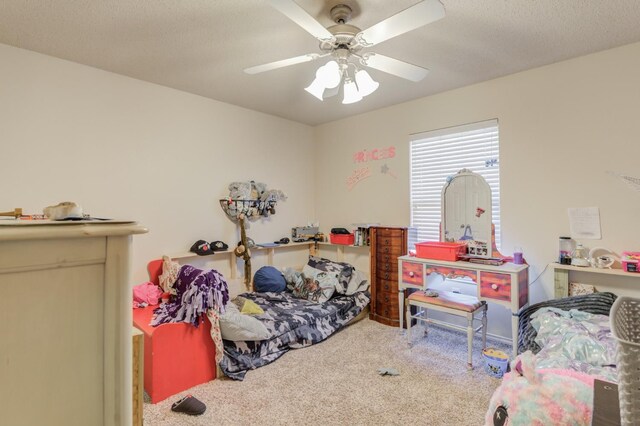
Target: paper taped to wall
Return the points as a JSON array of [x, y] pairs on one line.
[[584, 222]]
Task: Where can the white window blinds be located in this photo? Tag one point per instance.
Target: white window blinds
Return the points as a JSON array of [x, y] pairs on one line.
[[441, 153]]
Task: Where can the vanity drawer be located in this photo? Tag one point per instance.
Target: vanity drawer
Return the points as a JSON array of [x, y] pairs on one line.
[[412, 273], [450, 272], [495, 286]]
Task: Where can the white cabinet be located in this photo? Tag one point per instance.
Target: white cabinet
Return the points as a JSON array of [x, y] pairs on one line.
[[65, 323]]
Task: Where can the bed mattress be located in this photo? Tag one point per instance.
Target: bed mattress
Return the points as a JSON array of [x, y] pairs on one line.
[[292, 323]]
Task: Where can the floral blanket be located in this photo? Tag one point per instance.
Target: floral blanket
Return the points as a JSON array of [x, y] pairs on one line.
[[293, 323]]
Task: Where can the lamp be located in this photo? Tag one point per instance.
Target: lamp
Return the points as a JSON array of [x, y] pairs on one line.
[[366, 85], [330, 75], [351, 93]]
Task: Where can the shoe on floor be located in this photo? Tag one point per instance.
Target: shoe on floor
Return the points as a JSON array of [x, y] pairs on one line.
[[189, 405]]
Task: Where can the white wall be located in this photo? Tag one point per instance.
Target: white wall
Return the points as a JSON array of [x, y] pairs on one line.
[[562, 127], [124, 148]]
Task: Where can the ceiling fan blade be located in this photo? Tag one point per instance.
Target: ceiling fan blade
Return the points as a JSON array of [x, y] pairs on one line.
[[297, 14], [282, 63], [395, 67], [409, 19]]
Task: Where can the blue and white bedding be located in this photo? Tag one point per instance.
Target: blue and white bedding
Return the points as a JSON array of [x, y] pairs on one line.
[[292, 323], [575, 340]]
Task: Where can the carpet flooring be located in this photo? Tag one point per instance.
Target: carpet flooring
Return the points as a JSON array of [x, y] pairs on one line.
[[336, 382]]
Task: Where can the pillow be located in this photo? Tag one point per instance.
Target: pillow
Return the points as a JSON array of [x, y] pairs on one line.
[[268, 279], [342, 270], [250, 307], [239, 327], [358, 282], [315, 286]]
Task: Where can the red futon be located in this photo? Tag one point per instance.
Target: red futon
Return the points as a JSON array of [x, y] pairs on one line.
[[176, 356]]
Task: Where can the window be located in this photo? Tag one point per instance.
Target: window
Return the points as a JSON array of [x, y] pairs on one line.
[[441, 153]]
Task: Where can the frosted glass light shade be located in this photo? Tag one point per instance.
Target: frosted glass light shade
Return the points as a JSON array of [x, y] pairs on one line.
[[330, 74], [366, 85], [316, 88], [351, 93]]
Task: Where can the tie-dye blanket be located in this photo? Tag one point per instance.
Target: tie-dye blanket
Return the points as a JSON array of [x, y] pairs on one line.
[[575, 340], [196, 292], [293, 323]]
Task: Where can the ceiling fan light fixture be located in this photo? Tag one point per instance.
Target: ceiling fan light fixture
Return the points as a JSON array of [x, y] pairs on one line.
[[366, 84], [351, 94], [316, 88], [330, 74]]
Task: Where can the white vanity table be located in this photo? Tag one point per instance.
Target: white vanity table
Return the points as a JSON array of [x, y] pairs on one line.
[[506, 285], [65, 323]]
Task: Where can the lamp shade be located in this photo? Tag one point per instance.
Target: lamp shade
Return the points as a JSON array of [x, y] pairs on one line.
[[316, 88], [366, 85], [330, 74], [351, 93]]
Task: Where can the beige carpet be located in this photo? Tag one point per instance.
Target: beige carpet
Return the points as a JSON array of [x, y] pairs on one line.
[[336, 382]]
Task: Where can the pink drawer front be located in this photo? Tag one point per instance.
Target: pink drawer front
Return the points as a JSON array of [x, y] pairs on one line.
[[495, 286], [412, 273]]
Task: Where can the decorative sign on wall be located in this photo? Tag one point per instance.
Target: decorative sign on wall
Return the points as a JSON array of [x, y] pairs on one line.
[[375, 154], [367, 156], [357, 176]]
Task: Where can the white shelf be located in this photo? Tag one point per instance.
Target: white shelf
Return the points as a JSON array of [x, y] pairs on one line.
[[341, 245], [589, 269], [186, 255]]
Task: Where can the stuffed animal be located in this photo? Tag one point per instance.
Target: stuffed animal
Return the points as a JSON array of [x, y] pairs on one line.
[[273, 195], [541, 397], [240, 190], [257, 190]]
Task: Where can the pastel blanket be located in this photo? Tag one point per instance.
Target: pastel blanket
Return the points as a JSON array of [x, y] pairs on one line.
[[197, 291]]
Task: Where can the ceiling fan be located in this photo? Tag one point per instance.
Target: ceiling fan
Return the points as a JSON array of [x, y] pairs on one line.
[[344, 43]]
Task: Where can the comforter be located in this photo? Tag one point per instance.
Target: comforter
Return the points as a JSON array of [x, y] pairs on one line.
[[575, 340], [292, 323]]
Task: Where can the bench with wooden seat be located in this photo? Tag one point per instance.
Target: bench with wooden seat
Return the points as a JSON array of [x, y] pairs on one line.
[[454, 304]]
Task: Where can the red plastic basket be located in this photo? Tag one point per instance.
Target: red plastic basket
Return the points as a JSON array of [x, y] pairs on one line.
[[344, 239], [440, 250]]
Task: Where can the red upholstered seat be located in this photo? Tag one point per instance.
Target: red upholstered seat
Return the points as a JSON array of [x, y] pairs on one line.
[[461, 302], [176, 356]]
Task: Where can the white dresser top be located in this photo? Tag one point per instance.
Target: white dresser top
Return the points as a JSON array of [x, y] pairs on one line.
[[16, 229]]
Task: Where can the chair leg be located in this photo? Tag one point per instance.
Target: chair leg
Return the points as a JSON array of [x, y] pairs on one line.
[[409, 324], [469, 339], [484, 327]]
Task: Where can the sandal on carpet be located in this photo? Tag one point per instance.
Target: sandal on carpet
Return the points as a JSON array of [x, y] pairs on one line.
[[189, 405]]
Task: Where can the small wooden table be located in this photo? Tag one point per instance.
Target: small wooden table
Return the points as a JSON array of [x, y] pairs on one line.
[[506, 285]]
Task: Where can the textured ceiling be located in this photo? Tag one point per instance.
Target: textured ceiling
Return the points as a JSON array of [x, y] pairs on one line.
[[202, 46]]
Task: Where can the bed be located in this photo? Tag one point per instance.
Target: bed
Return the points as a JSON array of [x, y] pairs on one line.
[[563, 345], [292, 323]]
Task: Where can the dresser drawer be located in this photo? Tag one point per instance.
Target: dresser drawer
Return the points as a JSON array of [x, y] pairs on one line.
[[387, 258], [390, 267], [387, 286], [390, 250], [495, 286], [386, 275], [412, 273], [387, 305], [389, 233]]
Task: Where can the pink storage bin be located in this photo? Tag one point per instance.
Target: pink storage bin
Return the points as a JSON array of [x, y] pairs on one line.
[[631, 261], [439, 250]]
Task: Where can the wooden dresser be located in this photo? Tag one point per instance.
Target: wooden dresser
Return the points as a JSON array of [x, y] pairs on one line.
[[387, 244], [65, 323]]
